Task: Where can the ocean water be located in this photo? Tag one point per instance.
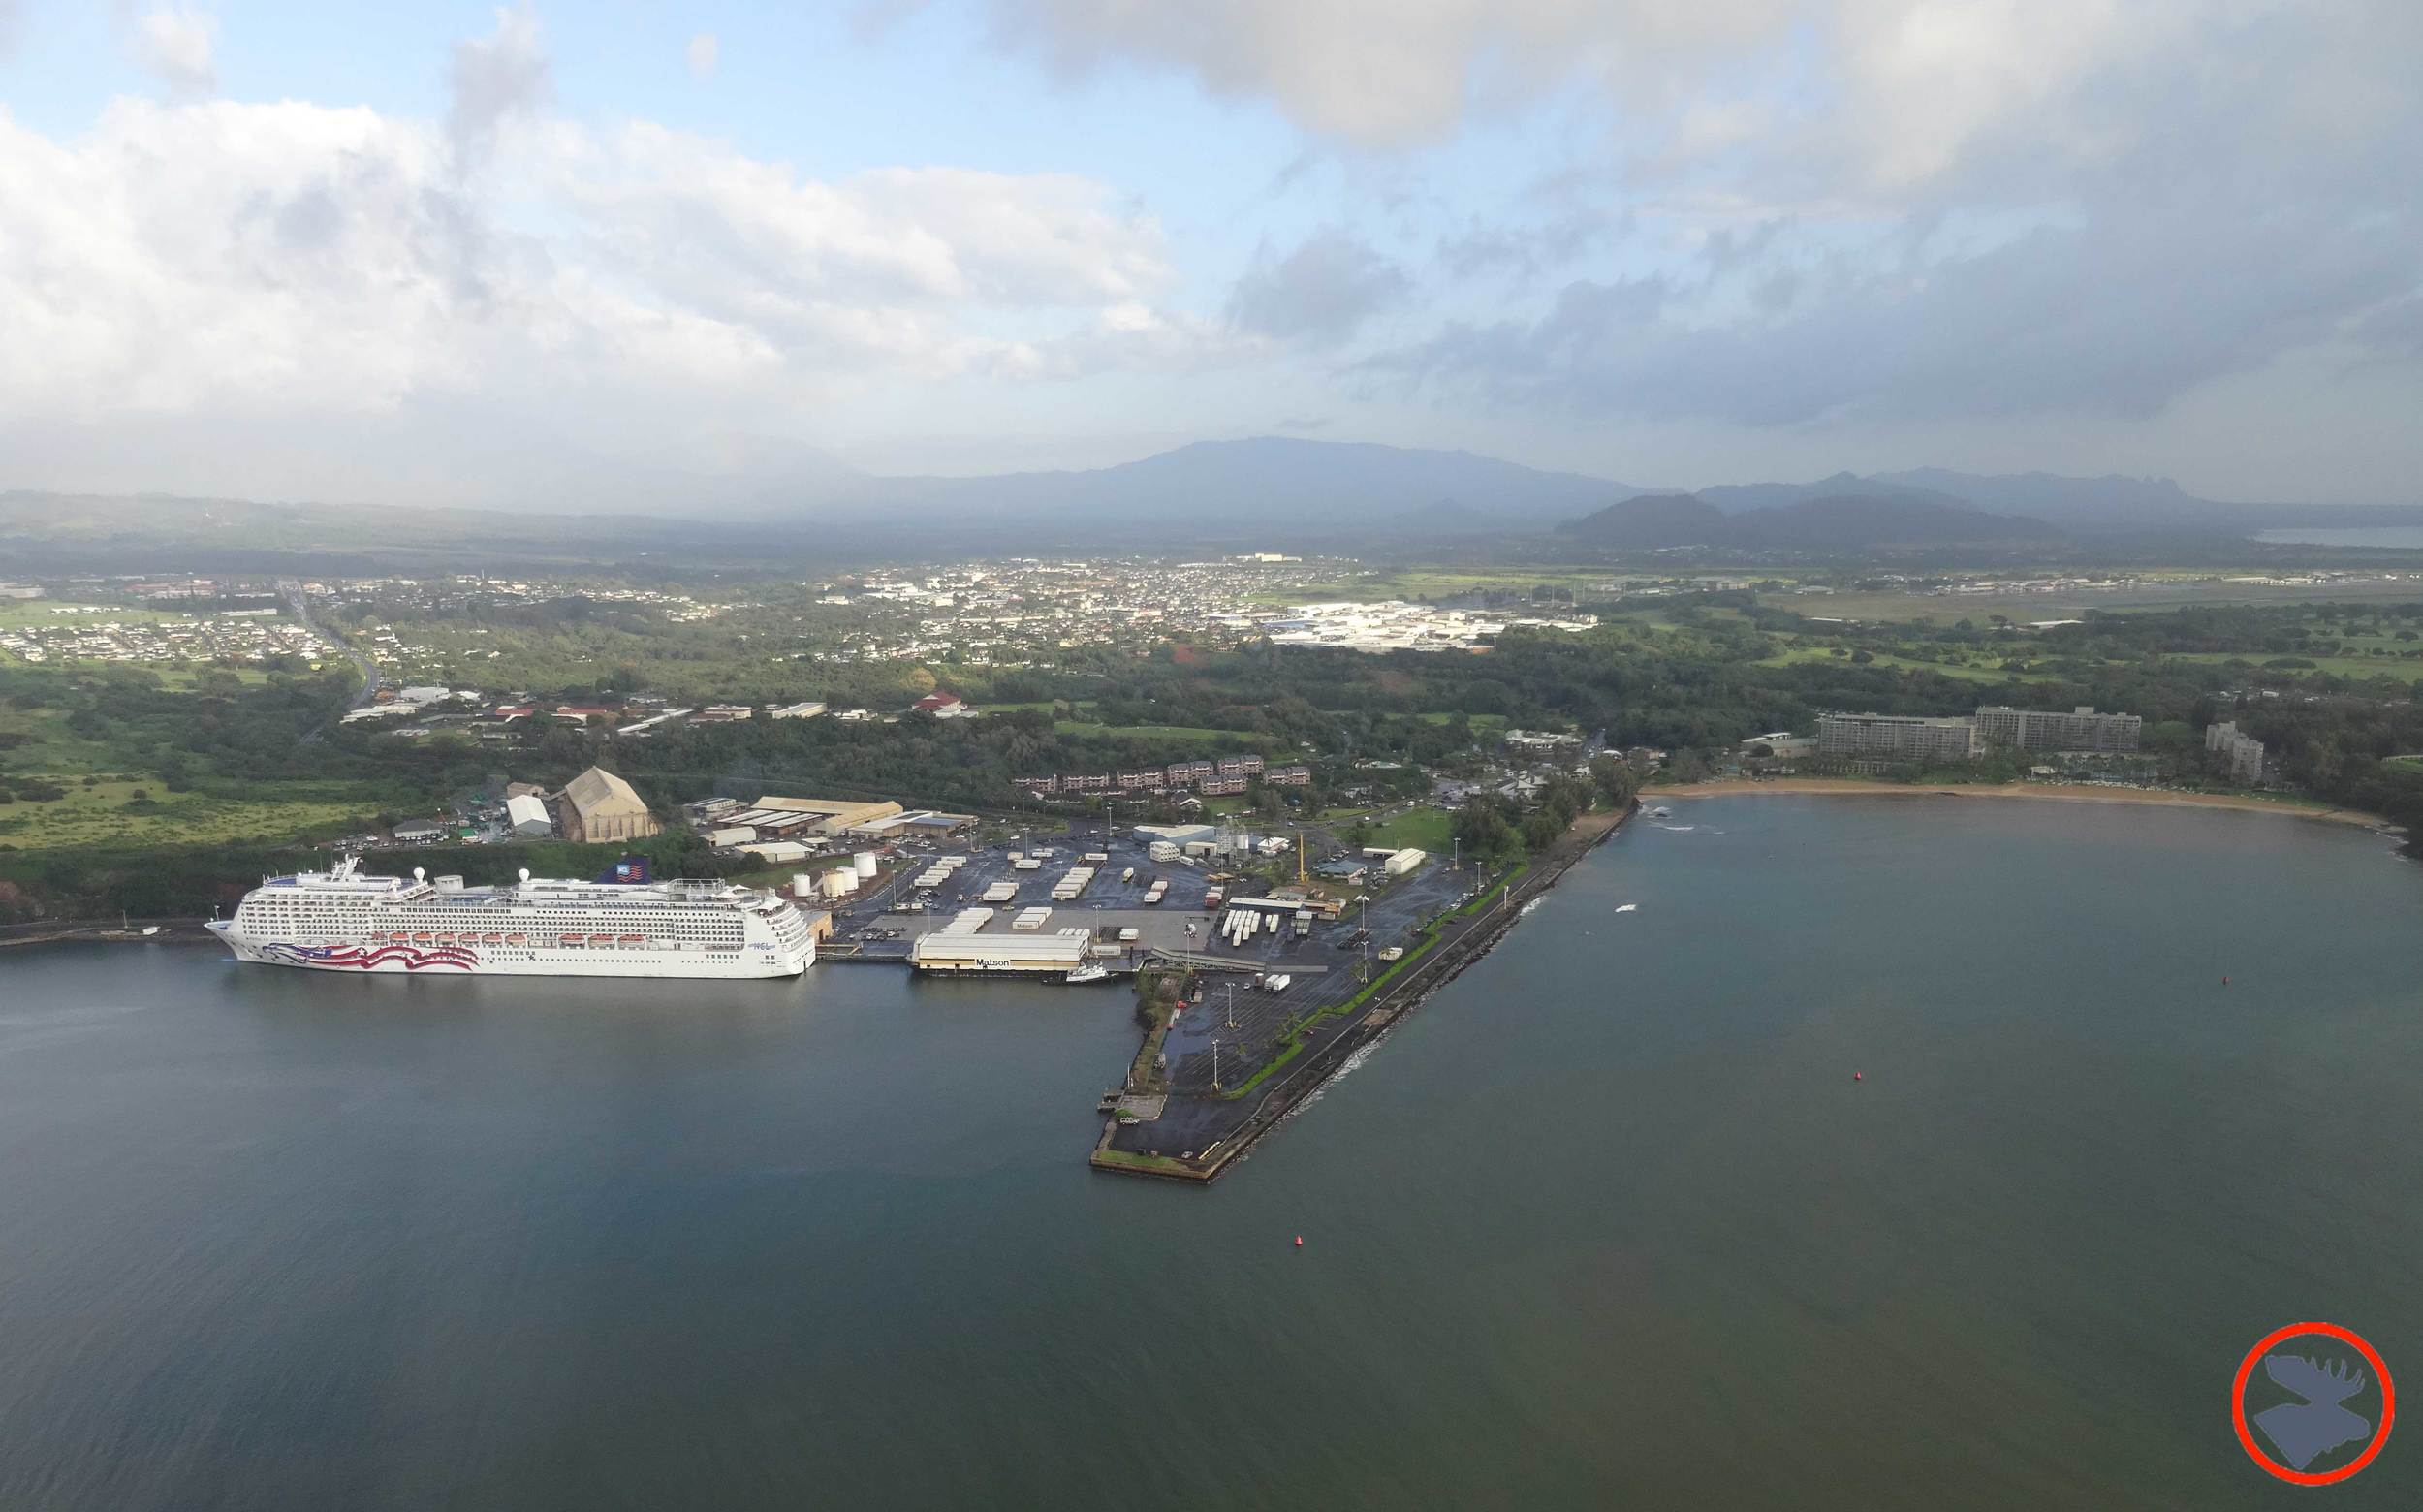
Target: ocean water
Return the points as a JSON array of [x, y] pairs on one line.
[[1608, 1223]]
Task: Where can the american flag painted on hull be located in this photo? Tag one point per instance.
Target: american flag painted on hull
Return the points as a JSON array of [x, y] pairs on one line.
[[413, 957]]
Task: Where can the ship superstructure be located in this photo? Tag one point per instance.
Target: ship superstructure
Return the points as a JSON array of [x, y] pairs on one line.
[[346, 920]]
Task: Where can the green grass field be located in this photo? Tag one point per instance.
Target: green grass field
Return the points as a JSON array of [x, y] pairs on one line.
[[109, 814], [2169, 592], [1146, 731], [39, 614], [1424, 828], [1482, 724], [2336, 666], [1818, 653]]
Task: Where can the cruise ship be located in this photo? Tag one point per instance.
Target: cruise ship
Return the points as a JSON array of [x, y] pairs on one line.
[[623, 925]]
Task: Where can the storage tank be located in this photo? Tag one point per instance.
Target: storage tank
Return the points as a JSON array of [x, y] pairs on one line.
[[802, 884], [864, 863], [840, 882]]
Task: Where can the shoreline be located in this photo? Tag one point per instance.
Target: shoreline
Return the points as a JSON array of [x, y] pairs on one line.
[[2040, 792]]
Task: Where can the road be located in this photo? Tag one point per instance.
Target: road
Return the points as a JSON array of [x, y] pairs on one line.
[[296, 600]]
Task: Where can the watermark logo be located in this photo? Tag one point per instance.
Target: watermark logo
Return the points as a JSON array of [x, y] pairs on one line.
[[2313, 1403]]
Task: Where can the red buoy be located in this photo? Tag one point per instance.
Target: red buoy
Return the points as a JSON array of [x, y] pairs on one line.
[[1857, 1076], [1300, 1241], [2225, 981]]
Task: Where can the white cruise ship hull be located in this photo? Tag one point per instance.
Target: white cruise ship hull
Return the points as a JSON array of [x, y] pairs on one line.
[[505, 960]]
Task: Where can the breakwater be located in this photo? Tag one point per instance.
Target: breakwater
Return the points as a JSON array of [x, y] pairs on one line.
[[1199, 1138]]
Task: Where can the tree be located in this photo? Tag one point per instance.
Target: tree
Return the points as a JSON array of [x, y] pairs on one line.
[[1615, 779], [1481, 827]]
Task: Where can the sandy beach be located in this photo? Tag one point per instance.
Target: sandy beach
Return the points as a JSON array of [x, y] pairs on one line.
[[2048, 792]]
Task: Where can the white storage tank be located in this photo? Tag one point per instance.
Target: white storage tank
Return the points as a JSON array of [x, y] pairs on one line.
[[840, 882], [863, 865]]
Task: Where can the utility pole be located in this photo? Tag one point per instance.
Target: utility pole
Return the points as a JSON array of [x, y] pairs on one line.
[[1232, 1003]]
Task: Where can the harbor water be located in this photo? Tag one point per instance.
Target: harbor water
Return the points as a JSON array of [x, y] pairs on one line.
[[1606, 1223]]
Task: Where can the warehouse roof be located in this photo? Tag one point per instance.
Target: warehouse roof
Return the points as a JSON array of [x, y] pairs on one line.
[[599, 792]]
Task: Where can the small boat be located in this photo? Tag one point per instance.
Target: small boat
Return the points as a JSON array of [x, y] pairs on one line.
[[1090, 971], [1627, 907], [151, 930]]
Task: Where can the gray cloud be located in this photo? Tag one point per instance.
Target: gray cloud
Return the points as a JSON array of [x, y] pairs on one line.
[[495, 79], [2186, 216], [1320, 293]]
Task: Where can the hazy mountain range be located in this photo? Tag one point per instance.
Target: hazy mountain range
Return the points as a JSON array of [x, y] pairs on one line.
[[1821, 524], [787, 502]]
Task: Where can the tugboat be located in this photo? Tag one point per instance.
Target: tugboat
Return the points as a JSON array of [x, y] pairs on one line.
[[1090, 971]]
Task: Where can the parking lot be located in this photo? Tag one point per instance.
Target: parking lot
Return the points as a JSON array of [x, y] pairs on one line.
[[1322, 967]]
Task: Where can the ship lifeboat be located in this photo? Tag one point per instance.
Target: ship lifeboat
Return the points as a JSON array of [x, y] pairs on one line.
[[574, 939], [446, 936], [400, 936], [601, 939], [634, 939], [422, 938], [515, 940], [491, 939]]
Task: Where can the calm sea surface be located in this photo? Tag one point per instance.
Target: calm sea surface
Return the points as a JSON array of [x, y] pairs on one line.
[[1608, 1224]]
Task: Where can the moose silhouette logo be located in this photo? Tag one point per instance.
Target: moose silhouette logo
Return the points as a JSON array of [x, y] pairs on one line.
[[2329, 1392]]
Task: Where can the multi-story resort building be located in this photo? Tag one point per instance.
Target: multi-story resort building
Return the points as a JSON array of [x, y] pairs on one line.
[[2082, 728], [1896, 738]]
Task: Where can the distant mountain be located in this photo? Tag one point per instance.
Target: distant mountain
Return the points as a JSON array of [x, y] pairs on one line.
[[2109, 505], [1736, 498], [1651, 522], [1265, 482], [1831, 523], [1857, 520]]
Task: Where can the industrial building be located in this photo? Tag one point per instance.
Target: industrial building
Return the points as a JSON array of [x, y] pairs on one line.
[[788, 818], [955, 951], [526, 813], [1896, 738], [599, 806], [1180, 835], [2082, 728]]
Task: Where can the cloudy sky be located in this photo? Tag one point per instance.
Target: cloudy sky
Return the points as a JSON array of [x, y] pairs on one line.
[[456, 254]]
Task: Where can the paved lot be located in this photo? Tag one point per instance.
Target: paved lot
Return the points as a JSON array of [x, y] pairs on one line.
[[1323, 969]]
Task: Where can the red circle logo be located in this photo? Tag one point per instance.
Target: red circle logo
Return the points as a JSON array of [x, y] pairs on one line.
[[2306, 1431]]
